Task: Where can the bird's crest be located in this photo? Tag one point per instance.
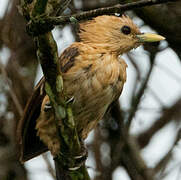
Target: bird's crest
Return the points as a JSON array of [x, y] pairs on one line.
[[105, 21], [105, 32]]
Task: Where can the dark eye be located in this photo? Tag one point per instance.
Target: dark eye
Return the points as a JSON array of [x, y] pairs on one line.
[[126, 30]]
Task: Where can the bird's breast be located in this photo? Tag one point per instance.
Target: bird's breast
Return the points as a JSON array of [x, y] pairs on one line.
[[94, 87]]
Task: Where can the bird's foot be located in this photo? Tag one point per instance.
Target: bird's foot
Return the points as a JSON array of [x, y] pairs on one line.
[[47, 106], [70, 100], [80, 159]]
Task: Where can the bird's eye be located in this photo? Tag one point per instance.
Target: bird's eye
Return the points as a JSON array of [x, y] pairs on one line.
[[126, 30]]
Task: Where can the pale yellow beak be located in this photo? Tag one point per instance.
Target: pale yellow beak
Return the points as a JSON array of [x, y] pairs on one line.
[[149, 37]]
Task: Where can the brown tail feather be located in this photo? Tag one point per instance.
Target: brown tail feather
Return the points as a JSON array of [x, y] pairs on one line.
[[30, 144]]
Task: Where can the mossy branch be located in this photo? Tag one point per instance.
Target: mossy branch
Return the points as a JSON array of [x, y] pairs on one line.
[[48, 57]]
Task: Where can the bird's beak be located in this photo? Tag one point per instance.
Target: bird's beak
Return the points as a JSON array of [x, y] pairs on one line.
[[149, 37]]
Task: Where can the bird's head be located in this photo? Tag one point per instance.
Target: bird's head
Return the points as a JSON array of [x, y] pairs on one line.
[[115, 34]]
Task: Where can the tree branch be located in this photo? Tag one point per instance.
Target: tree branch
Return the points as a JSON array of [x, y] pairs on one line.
[[69, 140], [43, 24]]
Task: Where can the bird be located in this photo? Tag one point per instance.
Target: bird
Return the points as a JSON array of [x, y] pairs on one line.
[[94, 74]]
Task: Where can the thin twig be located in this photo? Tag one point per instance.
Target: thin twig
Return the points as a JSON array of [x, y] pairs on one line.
[[11, 92], [62, 7], [164, 161], [49, 166], [133, 62]]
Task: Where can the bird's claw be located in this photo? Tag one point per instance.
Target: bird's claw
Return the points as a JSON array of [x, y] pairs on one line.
[[70, 100], [74, 168], [84, 153], [47, 106], [80, 159]]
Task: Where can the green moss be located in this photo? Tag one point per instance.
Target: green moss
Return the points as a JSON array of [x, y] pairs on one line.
[[59, 83], [39, 7], [71, 122]]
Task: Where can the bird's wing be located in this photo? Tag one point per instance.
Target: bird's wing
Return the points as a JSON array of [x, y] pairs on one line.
[[67, 59], [30, 144]]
